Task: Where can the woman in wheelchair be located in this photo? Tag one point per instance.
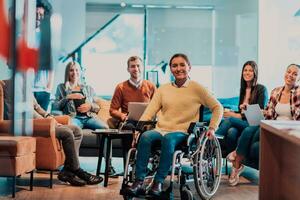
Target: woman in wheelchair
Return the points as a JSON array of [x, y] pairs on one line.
[[176, 106]]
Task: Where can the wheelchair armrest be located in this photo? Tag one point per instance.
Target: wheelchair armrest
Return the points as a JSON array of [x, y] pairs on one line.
[[219, 137], [197, 128], [190, 140], [144, 125], [195, 131]]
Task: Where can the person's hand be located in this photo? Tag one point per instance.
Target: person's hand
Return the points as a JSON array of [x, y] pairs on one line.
[[51, 117], [231, 114], [48, 90], [83, 108], [124, 117], [2, 83], [243, 106], [210, 133], [75, 96]]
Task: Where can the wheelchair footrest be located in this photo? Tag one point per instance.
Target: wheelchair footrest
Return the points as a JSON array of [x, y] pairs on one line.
[[165, 195]]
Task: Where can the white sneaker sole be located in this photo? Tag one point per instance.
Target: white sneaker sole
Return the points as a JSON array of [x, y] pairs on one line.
[[234, 182]]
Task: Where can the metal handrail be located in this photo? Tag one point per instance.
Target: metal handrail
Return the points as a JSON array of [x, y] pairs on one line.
[[88, 39]]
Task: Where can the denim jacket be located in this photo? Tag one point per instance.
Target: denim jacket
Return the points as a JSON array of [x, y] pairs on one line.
[[274, 99], [67, 106]]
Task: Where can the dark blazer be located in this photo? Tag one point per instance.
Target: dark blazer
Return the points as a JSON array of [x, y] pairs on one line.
[[259, 95]]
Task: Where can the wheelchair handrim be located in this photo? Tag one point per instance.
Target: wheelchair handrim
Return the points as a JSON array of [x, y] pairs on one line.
[[198, 170]]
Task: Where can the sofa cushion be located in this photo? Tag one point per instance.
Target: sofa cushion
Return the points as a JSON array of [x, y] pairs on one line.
[[231, 103], [103, 114], [89, 139], [17, 146]]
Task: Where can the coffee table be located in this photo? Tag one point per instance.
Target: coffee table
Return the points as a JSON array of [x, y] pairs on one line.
[[108, 135]]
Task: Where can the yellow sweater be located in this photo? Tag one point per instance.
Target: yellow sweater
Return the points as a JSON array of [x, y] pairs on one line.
[[180, 106]]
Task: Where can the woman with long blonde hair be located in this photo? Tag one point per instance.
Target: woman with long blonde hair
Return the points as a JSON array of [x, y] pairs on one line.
[[78, 100]]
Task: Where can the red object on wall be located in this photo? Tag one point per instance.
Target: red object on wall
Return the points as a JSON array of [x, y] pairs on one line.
[[4, 31], [27, 57]]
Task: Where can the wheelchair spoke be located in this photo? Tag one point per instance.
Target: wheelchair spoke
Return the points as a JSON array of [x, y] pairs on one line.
[[207, 168]]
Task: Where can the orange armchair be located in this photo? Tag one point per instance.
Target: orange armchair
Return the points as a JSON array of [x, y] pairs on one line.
[[17, 154], [49, 151]]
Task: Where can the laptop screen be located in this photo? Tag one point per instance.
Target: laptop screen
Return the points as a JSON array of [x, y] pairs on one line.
[[136, 110]]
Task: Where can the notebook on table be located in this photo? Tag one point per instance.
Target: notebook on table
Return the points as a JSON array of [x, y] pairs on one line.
[[254, 114], [113, 131], [136, 110]]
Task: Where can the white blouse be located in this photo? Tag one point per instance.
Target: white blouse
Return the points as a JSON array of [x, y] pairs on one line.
[[284, 111]]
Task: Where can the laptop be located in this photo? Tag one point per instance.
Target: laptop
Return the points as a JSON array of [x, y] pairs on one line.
[[254, 114], [136, 110]]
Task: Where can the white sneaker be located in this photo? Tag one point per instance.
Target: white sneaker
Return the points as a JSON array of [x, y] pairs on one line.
[[235, 175]]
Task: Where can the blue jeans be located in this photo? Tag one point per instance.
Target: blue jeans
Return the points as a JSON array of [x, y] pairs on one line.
[[248, 136], [89, 122], [231, 128], [168, 145]]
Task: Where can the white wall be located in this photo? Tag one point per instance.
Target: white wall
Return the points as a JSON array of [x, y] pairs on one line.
[[73, 16], [236, 42], [279, 39], [72, 33]]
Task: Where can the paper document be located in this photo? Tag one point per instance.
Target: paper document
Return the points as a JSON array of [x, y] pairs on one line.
[[254, 115]]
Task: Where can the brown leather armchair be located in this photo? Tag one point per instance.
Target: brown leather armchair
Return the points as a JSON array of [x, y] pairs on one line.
[[17, 154], [49, 151]]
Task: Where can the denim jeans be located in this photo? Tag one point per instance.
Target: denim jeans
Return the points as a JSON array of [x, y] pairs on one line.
[[248, 136], [231, 128], [89, 122], [168, 144]]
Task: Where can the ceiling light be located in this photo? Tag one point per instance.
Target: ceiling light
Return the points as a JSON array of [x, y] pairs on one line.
[[196, 7], [122, 4]]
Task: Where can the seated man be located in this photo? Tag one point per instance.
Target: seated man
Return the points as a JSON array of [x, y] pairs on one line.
[[133, 90], [70, 137]]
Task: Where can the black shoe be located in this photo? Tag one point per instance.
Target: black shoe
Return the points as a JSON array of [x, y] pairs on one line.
[[87, 177], [156, 189], [67, 176], [135, 189]]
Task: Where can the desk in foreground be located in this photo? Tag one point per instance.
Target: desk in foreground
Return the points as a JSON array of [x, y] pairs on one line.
[[279, 160]]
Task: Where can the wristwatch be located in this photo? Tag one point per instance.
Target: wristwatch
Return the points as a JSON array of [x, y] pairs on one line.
[[47, 115]]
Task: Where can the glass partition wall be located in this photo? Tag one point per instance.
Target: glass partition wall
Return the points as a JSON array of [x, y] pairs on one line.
[[217, 38]]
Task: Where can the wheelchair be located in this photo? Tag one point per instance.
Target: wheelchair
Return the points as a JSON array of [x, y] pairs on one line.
[[198, 160]]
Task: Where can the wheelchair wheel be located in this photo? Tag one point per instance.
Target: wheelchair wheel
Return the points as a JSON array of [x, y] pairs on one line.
[[186, 194], [207, 167]]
